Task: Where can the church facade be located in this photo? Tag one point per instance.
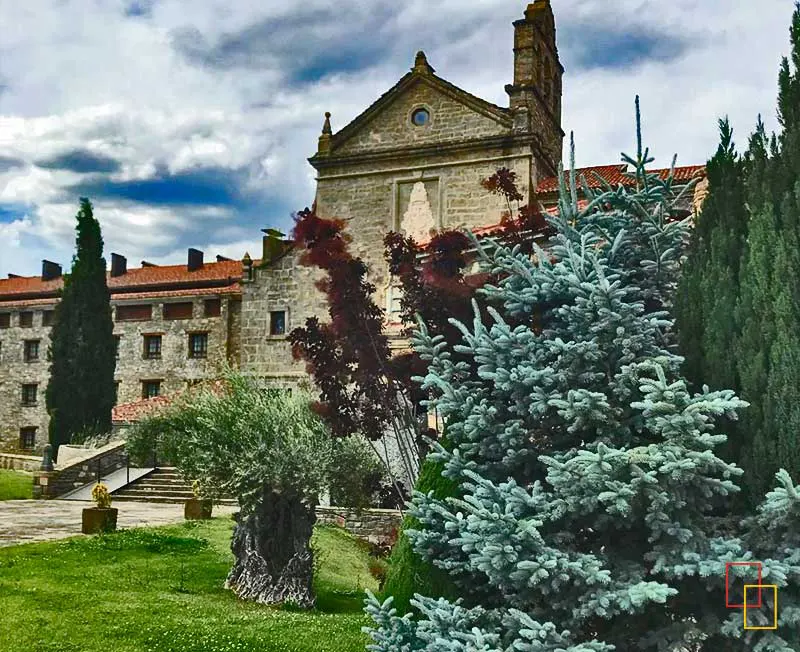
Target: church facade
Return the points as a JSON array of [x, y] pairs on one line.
[[413, 162]]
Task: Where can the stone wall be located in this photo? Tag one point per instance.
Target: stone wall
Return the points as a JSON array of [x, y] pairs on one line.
[[371, 202], [52, 484], [450, 120], [175, 369], [379, 526], [285, 286], [19, 462], [15, 371]]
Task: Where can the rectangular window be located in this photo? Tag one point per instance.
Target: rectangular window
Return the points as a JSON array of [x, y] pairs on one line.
[[31, 350], [5, 320], [178, 310], [117, 340], [29, 392], [212, 308], [47, 317], [277, 322], [116, 392], [137, 312], [151, 388], [198, 345], [152, 346], [27, 438], [26, 319]]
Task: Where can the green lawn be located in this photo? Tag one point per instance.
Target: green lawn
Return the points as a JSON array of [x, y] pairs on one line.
[[160, 590], [15, 485]]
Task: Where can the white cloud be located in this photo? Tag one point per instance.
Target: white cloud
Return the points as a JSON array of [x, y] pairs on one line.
[[116, 86]]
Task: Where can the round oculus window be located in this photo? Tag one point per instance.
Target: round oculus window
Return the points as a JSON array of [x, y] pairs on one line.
[[420, 117]]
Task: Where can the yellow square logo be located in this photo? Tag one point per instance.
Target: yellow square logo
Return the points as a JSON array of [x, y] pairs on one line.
[[774, 588]]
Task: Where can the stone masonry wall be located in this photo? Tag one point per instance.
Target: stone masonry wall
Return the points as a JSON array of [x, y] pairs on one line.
[[379, 526], [369, 202], [451, 121], [20, 462], [51, 484], [14, 372], [175, 369], [283, 286]]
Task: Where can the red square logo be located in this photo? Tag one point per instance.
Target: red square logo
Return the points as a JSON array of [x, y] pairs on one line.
[[728, 565]]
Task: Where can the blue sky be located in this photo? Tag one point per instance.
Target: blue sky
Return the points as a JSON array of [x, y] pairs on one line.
[[192, 128]]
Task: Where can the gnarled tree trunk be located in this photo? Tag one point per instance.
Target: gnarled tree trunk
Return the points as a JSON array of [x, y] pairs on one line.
[[271, 545]]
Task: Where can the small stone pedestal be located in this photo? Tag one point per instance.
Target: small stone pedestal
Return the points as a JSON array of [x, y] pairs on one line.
[[96, 519], [197, 510]]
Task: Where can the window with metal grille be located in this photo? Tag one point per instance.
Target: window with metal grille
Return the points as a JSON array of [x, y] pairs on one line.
[[152, 346], [25, 319], [27, 438], [47, 317], [31, 350], [29, 391], [151, 388], [277, 322], [212, 308], [5, 320], [178, 310], [136, 312], [198, 345]]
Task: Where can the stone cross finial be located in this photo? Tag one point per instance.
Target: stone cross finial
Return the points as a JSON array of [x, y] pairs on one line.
[[324, 146], [421, 64]]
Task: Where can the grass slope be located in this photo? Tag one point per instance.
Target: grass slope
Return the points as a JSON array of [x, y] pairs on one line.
[[15, 485], [160, 590]]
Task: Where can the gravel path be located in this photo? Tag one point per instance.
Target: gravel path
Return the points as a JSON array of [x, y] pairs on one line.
[[23, 521]]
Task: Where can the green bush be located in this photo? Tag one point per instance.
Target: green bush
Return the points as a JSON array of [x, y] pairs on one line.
[[356, 473], [407, 573]]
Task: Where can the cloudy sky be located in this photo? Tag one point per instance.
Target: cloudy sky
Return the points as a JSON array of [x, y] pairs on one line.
[[188, 122]]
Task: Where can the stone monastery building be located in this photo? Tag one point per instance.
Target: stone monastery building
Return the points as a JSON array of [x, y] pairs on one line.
[[412, 161]]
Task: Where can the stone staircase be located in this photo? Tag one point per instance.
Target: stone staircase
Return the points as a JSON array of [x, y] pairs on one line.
[[162, 485]]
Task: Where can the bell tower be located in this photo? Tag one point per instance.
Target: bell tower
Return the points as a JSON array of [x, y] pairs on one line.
[[535, 95]]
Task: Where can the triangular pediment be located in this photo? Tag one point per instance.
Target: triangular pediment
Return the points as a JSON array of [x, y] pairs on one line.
[[454, 114]]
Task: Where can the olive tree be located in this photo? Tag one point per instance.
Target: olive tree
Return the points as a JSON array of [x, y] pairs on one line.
[[270, 451]]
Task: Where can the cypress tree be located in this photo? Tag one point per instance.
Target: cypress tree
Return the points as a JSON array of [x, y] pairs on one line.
[[768, 352], [80, 392], [709, 284]]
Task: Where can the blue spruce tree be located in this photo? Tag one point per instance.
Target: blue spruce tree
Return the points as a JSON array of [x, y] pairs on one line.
[[590, 488]]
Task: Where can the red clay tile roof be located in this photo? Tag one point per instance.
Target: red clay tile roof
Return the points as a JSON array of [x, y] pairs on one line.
[[613, 174], [133, 412], [233, 288], [156, 278], [138, 410]]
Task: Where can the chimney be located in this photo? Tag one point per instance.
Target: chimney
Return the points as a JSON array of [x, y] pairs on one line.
[[50, 270], [119, 265], [272, 245], [195, 260]]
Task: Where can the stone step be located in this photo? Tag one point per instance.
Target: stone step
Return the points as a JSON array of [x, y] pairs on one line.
[[146, 494], [167, 499], [150, 486]]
